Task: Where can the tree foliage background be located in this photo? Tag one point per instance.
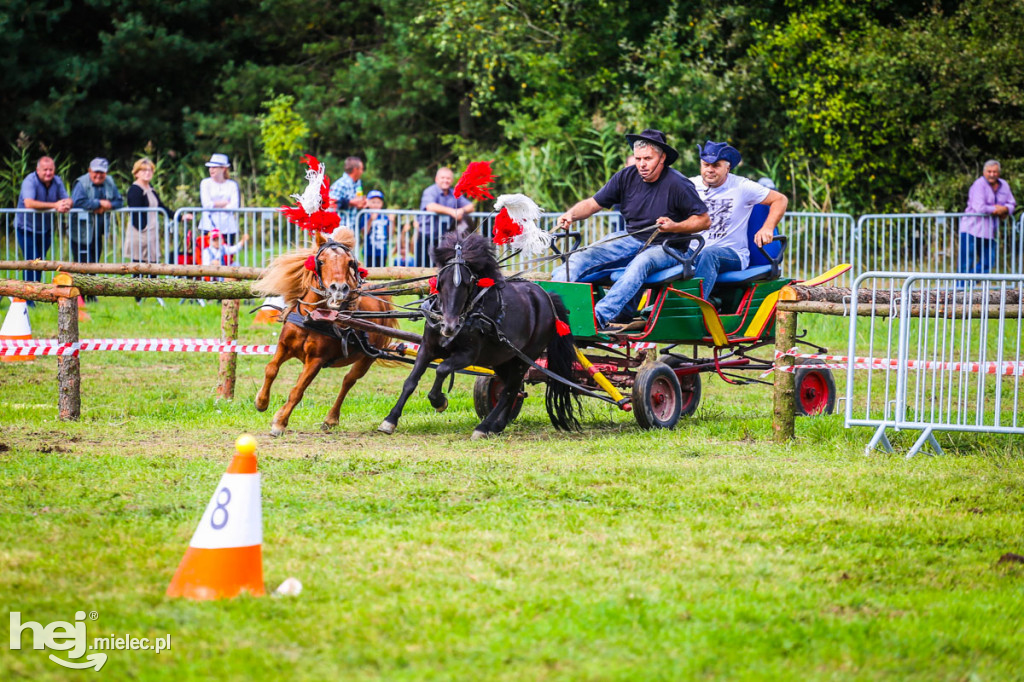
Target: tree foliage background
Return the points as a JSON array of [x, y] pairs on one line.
[[847, 105]]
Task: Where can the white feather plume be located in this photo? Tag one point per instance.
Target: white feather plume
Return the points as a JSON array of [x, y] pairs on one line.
[[309, 200], [533, 241]]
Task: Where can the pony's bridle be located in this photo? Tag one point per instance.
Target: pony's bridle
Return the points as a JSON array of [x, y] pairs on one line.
[[458, 263], [353, 264]]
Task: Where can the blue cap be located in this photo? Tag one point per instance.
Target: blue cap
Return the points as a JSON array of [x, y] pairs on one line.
[[375, 194], [713, 151]]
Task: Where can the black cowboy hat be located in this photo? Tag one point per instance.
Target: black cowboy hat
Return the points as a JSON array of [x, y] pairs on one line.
[[657, 138]]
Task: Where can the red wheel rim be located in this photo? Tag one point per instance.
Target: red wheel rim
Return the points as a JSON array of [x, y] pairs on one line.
[[663, 399], [813, 393]]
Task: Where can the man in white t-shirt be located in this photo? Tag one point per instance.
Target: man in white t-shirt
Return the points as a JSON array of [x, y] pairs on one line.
[[730, 199]]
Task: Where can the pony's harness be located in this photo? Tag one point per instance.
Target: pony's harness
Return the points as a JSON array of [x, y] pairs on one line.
[[479, 318], [345, 335]]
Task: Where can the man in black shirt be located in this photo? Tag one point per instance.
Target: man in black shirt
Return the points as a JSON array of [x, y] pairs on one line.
[[654, 199]]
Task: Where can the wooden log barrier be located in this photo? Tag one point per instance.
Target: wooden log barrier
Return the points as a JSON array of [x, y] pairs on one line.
[[69, 367], [784, 422], [228, 361], [233, 271], [98, 285], [31, 291]]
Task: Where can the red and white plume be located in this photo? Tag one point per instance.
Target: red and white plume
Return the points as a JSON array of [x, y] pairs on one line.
[[516, 225], [309, 212]]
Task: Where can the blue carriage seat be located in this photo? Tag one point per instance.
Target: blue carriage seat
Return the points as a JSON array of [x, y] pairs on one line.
[[765, 263]]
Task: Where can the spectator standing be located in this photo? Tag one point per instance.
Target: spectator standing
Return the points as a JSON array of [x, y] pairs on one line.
[[377, 228], [42, 190], [220, 191], [991, 196], [346, 192], [97, 195], [445, 212], [142, 238]]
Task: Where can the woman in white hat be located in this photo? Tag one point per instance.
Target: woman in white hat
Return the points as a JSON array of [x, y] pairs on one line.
[[220, 191]]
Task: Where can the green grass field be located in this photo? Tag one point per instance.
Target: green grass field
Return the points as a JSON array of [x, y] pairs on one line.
[[707, 552]]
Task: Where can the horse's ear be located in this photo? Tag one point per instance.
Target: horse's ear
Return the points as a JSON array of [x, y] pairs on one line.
[[319, 239]]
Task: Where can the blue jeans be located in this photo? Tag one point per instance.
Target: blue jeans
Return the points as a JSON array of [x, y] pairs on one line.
[[614, 253], [714, 260], [976, 253], [34, 245]]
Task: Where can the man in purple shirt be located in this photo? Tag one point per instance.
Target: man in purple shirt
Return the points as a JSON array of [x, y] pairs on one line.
[[991, 196], [40, 191]]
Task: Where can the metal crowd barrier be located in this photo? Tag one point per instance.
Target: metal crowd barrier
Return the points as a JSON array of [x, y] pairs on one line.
[[930, 242], [816, 242], [960, 362], [945, 354], [410, 244], [109, 247], [874, 334]]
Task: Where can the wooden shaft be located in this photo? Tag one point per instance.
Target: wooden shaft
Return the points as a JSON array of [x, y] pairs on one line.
[[784, 422], [368, 326], [228, 360], [69, 376]]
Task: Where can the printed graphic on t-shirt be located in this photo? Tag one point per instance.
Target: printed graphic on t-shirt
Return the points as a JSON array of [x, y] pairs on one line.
[[719, 211]]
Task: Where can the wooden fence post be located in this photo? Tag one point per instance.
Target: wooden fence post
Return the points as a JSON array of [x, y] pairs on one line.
[[785, 405], [69, 375], [228, 361]]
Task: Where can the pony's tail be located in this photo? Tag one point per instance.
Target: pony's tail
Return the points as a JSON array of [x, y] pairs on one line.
[[562, 404]]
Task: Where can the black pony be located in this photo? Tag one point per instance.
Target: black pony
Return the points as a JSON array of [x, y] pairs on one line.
[[480, 318]]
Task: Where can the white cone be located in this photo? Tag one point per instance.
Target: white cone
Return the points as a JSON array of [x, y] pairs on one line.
[[16, 327]]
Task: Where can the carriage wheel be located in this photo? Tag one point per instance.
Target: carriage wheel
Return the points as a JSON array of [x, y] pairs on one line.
[[815, 390], [690, 385], [657, 397], [486, 391]]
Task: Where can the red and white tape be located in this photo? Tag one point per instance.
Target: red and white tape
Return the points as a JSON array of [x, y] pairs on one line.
[[53, 347], [1006, 368]]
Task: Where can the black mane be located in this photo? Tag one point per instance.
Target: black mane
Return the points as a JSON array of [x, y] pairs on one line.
[[477, 251]]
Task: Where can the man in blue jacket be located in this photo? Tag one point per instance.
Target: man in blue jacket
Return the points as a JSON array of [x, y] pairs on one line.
[[96, 193]]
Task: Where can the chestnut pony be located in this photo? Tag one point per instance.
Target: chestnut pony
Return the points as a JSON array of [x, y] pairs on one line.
[[332, 284]]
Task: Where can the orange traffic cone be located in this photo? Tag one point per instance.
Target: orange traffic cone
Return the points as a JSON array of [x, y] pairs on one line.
[[225, 554], [83, 314], [16, 327], [268, 315]]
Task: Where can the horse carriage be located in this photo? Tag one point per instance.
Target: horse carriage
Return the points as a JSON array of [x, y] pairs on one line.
[[513, 332], [664, 386]]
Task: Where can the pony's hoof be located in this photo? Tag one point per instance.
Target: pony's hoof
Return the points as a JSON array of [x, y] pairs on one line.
[[276, 432], [478, 435], [261, 405], [326, 428], [443, 406], [387, 427]]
